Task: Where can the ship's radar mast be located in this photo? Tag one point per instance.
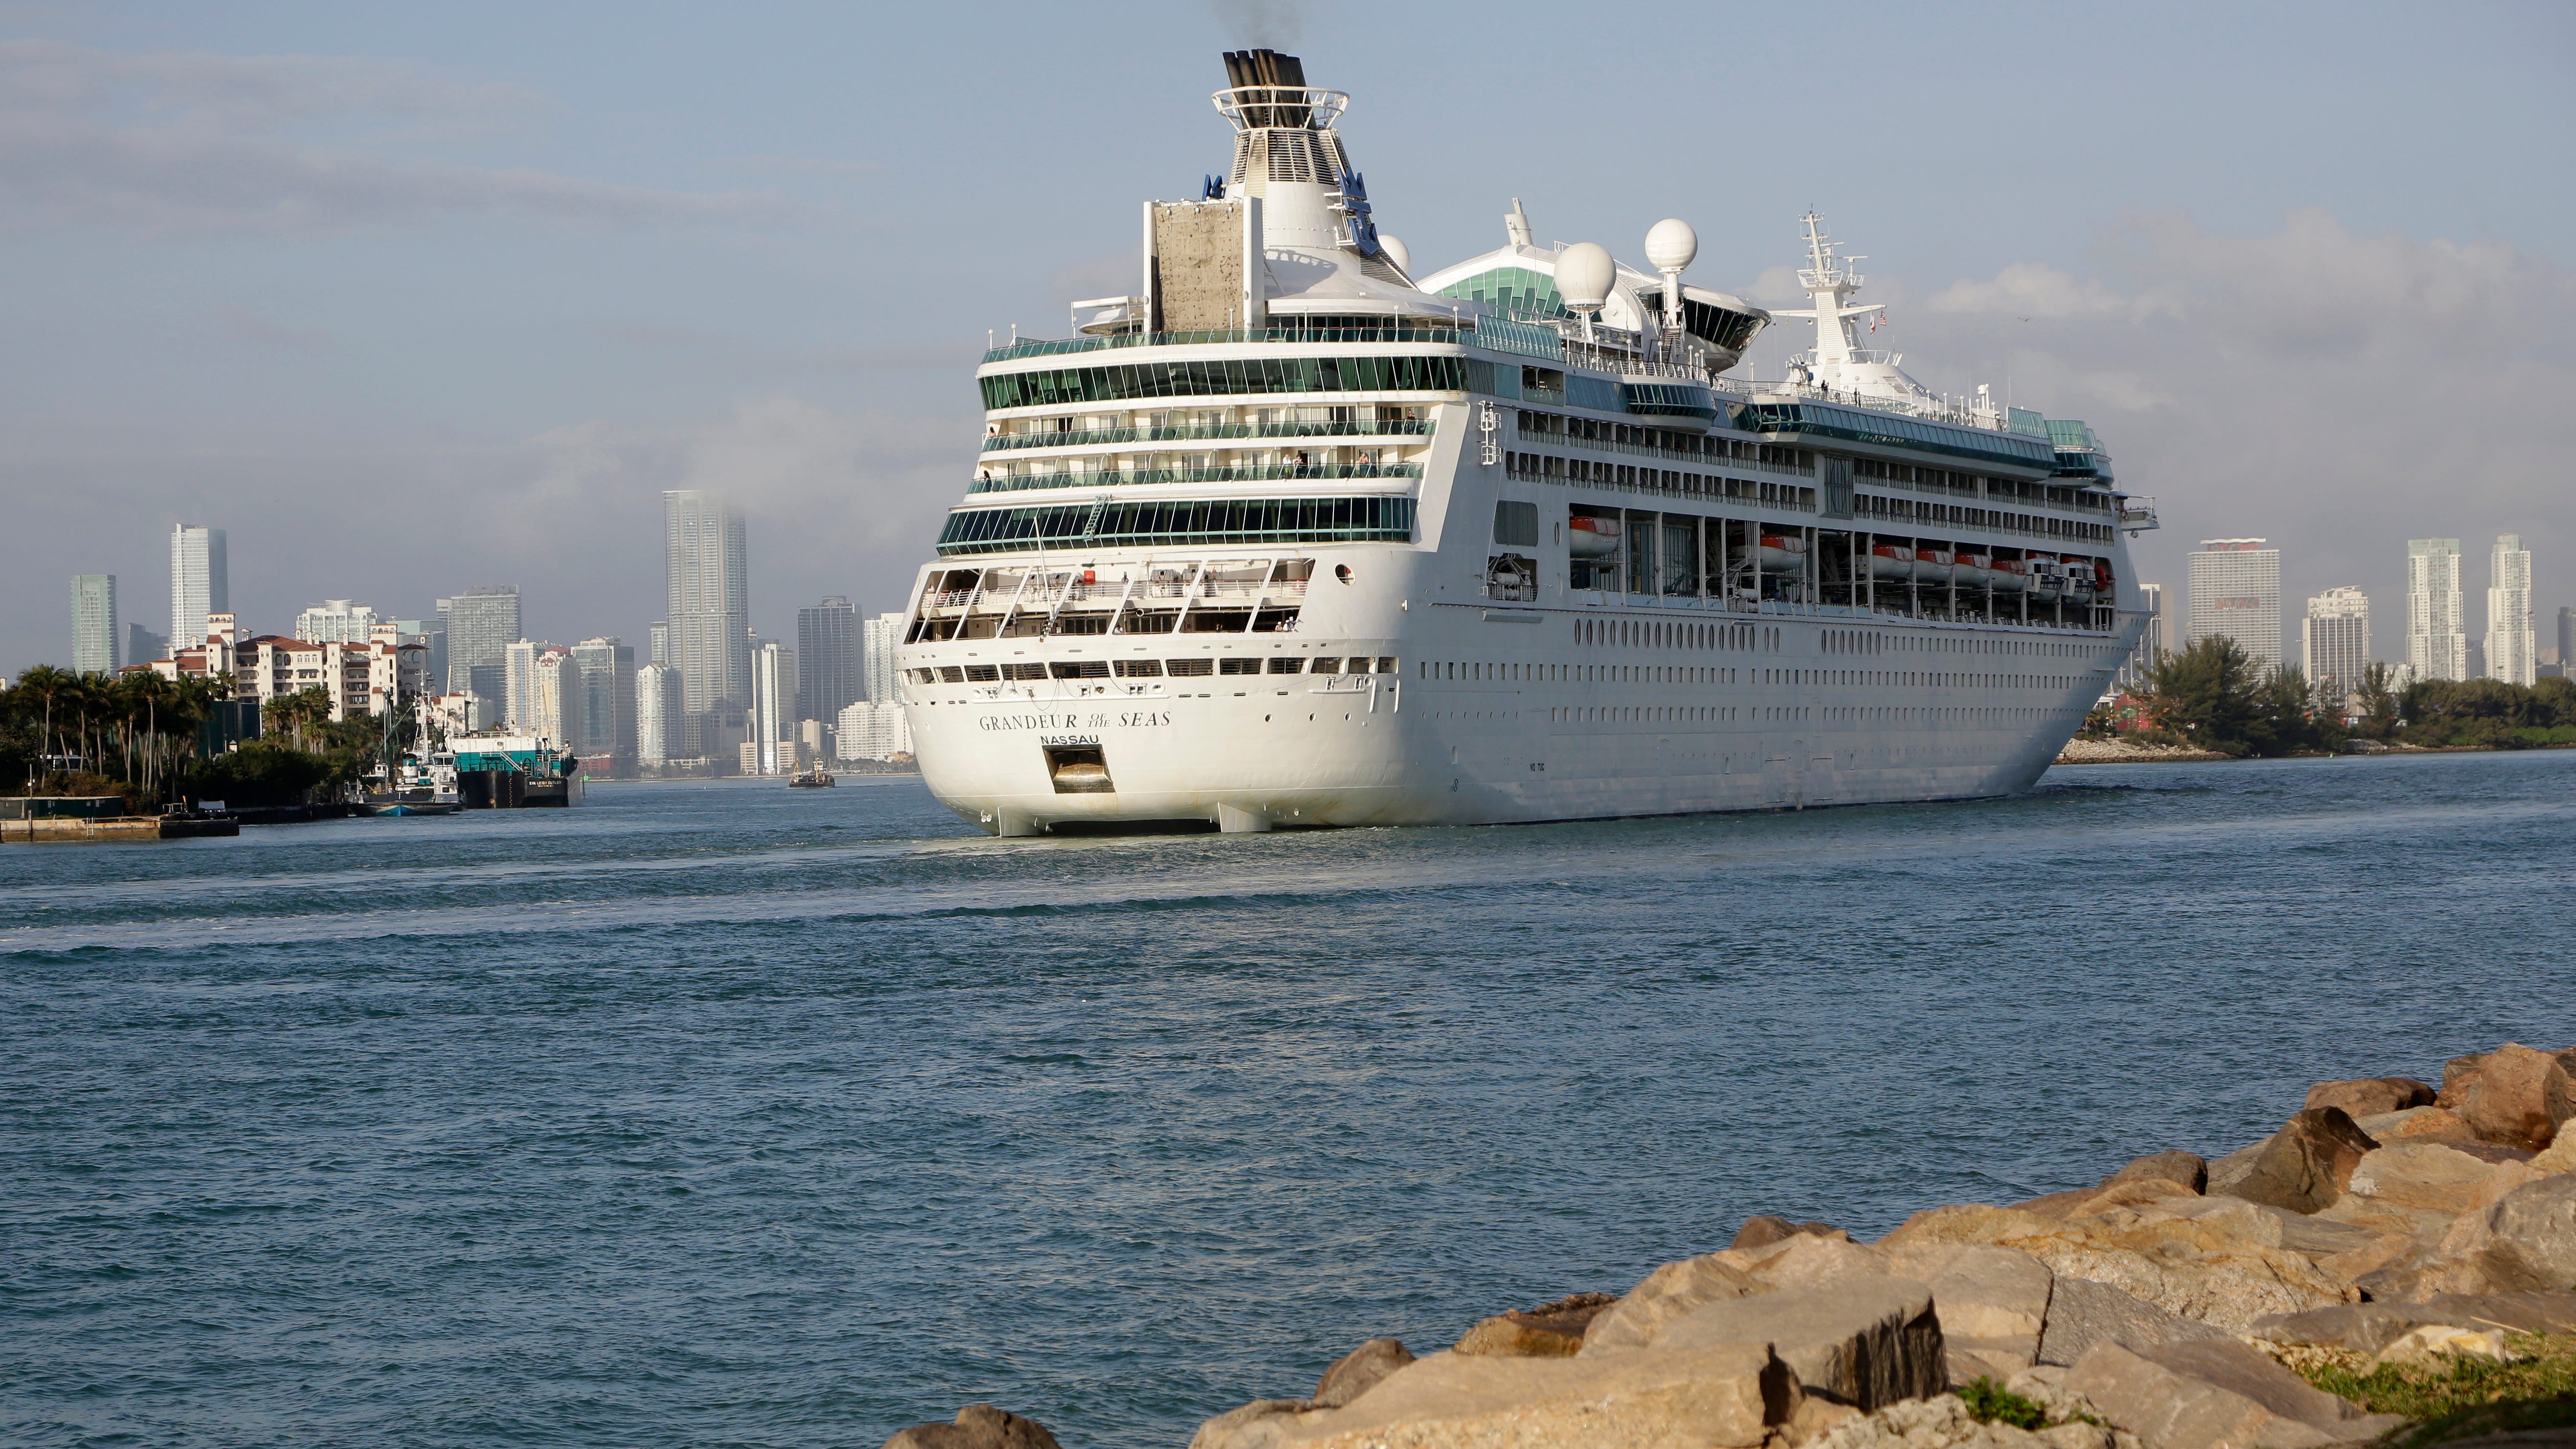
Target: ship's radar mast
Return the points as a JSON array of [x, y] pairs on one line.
[[1830, 280]]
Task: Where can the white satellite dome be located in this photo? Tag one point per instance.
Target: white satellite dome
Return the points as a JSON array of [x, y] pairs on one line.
[[1671, 245], [1398, 253], [1584, 272]]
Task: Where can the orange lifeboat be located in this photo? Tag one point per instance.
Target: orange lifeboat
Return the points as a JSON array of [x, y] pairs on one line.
[[1891, 561], [1973, 570], [1932, 565], [2010, 576], [1783, 553], [1589, 537]]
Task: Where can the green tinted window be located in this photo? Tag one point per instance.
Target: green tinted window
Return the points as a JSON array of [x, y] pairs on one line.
[[1157, 523]]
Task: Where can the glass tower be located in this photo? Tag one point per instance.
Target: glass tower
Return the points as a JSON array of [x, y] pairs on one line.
[[94, 635], [2437, 629], [710, 596], [2236, 591], [200, 582]]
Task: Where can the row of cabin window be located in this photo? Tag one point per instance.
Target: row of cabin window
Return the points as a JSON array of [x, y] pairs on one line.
[[1153, 668]]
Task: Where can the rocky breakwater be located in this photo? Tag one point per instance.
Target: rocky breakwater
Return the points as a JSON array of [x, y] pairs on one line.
[[2158, 1309]]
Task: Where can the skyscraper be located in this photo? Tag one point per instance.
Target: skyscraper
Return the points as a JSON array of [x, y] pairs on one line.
[[661, 643], [336, 621], [657, 714], [199, 582], [2151, 639], [94, 636], [519, 683], [710, 608], [2567, 638], [2236, 591], [2334, 640], [480, 624], [827, 659], [604, 699], [2512, 645], [773, 698], [2437, 633], [884, 632]]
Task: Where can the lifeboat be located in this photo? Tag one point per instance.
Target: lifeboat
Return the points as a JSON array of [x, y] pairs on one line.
[[1783, 553], [1973, 570], [2079, 580], [2047, 576], [1589, 537], [2010, 576], [1891, 561], [1932, 565]]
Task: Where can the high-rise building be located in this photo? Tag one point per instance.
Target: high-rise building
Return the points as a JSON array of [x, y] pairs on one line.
[[605, 702], [2334, 640], [884, 632], [430, 634], [336, 621], [554, 710], [827, 659], [94, 636], [2567, 638], [2512, 644], [519, 704], [661, 643], [710, 602], [2437, 630], [2236, 591], [142, 646], [480, 625], [773, 704], [873, 732], [657, 714], [200, 581], [2151, 639]]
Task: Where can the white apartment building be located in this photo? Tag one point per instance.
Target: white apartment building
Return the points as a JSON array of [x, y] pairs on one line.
[[773, 709], [2437, 630], [2513, 644], [337, 621], [2236, 591], [872, 731], [2334, 640], [882, 636], [200, 581], [364, 678], [658, 704]]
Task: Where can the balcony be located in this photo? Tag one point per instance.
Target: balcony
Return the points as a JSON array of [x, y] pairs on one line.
[[1268, 473], [1401, 427]]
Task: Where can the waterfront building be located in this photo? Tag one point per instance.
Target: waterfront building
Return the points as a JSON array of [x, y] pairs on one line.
[[94, 635], [707, 575], [553, 710], [480, 624], [200, 579], [336, 621], [363, 678], [2437, 630], [2512, 644], [773, 704], [142, 645], [2334, 640], [884, 635], [827, 659], [657, 714], [605, 703], [2236, 591], [870, 731], [431, 634]]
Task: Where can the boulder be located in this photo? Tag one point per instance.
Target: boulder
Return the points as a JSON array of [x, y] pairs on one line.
[[2430, 1176], [1551, 1330], [2104, 1197], [1360, 1370], [2226, 1172], [1668, 1292], [1261, 1424], [2214, 1395], [2526, 1242], [1731, 1397], [1807, 1261], [1992, 1303], [2202, 1270], [2506, 1095], [1945, 1420], [2561, 1156], [1864, 1341], [2416, 1124], [978, 1426], [2370, 1096], [2305, 1165], [2082, 1313], [1763, 1231], [2370, 1327], [2186, 1168], [2438, 1341]]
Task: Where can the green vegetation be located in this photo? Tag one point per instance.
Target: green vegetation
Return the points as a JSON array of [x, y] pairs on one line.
[[2458, 1397], [2489, 712], [139, 735], [1991, 1403], [2214, 696]]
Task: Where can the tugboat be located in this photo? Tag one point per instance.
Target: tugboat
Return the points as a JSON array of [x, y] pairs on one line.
[[816, 778]]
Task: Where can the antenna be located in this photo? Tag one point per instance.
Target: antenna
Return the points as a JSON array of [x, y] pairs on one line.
[[1516, 225]]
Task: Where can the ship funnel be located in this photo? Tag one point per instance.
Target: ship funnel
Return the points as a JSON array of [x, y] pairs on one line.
[[1287, 153]]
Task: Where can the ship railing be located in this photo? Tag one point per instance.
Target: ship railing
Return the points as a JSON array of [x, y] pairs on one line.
[[1034, 347], [1257, 473], [1355, 428]]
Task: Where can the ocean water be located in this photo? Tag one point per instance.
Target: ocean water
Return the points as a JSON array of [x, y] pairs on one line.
[[720, 1114]]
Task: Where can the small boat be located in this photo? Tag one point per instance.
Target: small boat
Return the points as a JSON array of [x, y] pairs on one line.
[[1589, 537], [2011, 575], [1932, 565], [1891, 561], [816, 778], [1783, 553], [2047, 576], [2079, 580], [1973, 570]]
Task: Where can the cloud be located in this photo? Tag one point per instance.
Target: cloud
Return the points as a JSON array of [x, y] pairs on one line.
[[193, 143], [1259, 23]]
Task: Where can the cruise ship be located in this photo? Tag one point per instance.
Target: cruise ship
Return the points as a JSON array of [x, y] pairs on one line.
[[1295, 535]]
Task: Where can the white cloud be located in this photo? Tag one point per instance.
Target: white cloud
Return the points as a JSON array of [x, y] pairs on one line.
[[192, 142]]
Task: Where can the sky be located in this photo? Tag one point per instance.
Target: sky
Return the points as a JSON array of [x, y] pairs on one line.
[[412, 299]]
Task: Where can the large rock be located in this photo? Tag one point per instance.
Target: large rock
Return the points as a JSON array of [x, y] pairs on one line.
[[2561, 1156], [2199, 1269], [1763, 1231], [1360, 1370], [2305, 1165], [2369, 1096], [1864, 1342], [2370, 1327], [2526, 1242], [1944, 1420], [1551, 1330], [1668, 1292], [2187, 1169], [1992, 1303], [2507, 1095], [978, 1426], [1729, 1397], [2082, 1313], [2428, 1176], [2216, 1396], [2416, 1124]]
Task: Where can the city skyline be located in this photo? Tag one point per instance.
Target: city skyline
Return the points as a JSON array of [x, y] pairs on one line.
[[2235, 590]]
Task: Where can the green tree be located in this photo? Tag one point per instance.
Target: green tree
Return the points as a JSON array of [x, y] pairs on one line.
[[2378, 704], [2208, 692]]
